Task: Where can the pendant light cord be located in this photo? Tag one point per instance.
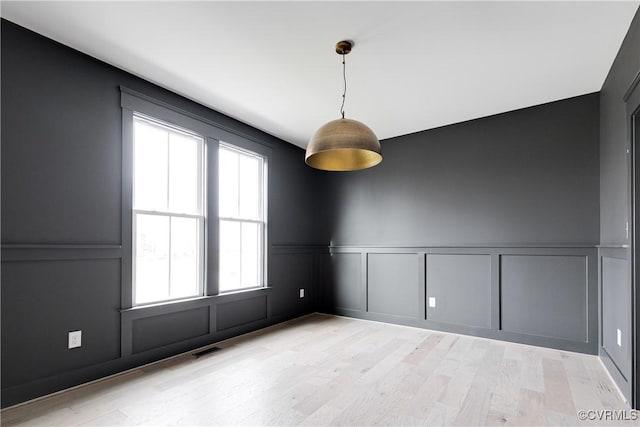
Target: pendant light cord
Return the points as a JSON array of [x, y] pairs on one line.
[[344, 77]]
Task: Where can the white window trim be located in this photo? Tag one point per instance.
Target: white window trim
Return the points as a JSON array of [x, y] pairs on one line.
[[201, 218], [262, 221]]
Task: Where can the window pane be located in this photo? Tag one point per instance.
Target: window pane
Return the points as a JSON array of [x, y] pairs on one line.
[[229, 255], [250, 261], [241, 198], [183, 173], [228, 177], [184, 257], [250, 183], [150, 167], [152, 258]]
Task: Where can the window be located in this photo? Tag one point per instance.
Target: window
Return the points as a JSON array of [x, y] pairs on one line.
[[194, 208], [241, 193], [168, 212]]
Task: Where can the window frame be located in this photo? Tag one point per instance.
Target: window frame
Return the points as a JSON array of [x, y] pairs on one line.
[[201, 217], [261, 222], [213, 132]]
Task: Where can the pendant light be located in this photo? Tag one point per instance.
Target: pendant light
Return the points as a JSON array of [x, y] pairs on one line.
[[343, 144]]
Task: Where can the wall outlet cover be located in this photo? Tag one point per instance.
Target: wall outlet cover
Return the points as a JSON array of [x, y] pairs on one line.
[[432, 302], [75, 339], [301, 292]]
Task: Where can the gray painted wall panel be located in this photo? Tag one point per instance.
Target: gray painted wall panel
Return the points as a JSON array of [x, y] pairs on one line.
[[290, 273], [614, 172], [461, 285], [60, 151], [615, 209], [157, 331], [238, 313], [616, 312], [544, 295], [297, 210], [578, 265], [392, 284], [527, 177], [34, 328], [345, 272]]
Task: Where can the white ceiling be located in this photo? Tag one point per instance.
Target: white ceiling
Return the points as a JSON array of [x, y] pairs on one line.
[[415, 65]]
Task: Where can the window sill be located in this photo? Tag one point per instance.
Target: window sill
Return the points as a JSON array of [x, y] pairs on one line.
[[193, 302]]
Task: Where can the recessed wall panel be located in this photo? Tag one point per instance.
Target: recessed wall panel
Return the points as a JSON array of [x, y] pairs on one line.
[[241, 312], [544, 295], [165, 329], [345, 280], [616, 313], [288, 273], [392, 284], [461, 287]]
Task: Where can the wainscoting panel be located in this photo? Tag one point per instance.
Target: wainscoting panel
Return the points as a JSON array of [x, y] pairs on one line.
[[537, 295], [545, 295], [44, 300], [345, 281], [241, 312], [290, 272], [161, 330], [392, 284], [461, 286], [616, 347]]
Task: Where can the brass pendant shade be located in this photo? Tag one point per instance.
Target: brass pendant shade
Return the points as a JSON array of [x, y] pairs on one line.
[[343, 144]]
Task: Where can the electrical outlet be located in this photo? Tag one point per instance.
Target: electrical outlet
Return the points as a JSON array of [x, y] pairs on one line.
[[301, 292], [75, 339], [619, 337], [432, 302]]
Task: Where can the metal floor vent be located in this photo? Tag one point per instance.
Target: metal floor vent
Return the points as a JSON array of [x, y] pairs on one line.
[[205, 352]]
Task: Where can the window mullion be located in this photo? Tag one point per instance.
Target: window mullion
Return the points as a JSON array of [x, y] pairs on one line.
[[169, 255], [201, 174], [240, 254], [168, 168], [260, 253], [201, 257], [261, 195], [174, 214], [238, 189], [134, 251], [255, 221]]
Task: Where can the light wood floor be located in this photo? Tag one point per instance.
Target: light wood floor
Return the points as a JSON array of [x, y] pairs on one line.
[[326, 370]]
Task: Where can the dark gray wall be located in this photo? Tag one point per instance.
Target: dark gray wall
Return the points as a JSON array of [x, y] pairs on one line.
[[614, 173], [496, 218], [528, 177], [615, 212], [61, 228]]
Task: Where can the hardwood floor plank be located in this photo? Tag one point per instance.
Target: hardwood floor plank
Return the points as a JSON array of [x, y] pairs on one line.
[[475, 407], [531, 410], [423, 349], [556, 388], [505, 393]]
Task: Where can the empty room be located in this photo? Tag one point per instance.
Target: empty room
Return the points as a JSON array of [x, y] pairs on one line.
[[320, 213]]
